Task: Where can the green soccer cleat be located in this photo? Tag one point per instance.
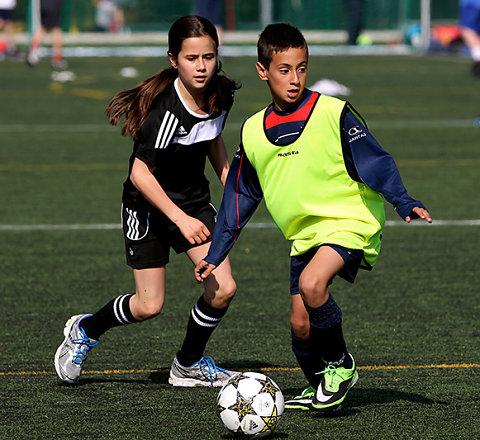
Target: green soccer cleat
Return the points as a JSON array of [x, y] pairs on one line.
[[334, 386], [302, 402]]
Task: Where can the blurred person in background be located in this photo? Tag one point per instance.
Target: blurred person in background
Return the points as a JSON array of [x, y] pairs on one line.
[[50, 19], [109, 16], [355, 19], [7, 24], [211, 9], [470, 25]]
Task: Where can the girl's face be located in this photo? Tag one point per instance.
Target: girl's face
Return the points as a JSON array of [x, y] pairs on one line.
[[196, 63], [286, 76]]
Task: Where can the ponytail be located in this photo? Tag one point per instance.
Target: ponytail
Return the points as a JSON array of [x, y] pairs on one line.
[[133, 104]]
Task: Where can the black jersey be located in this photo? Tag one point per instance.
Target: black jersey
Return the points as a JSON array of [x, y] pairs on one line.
[[175, 141]]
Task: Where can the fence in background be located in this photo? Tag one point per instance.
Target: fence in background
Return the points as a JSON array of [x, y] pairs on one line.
[[241, 15]]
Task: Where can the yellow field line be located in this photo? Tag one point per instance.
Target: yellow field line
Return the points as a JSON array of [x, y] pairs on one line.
[[165, 370]]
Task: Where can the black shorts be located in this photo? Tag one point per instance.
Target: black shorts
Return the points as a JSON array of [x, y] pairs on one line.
[[352, 257], [7, 14], [51, 13], [149, 235]]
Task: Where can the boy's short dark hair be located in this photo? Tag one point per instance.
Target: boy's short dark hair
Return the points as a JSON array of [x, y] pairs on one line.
[[278, 37]]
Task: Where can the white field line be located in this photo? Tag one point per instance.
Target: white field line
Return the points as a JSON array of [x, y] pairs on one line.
[[253, 225]]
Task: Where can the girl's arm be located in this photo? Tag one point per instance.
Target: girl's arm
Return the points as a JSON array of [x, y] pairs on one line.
[[218, 157], [144, 180]]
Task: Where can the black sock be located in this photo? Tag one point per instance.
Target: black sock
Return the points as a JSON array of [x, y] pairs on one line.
[[326, 334], [116, 312], [301, 349], [202, 322]]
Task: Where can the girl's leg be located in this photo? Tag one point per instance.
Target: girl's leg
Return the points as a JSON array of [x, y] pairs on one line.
[[82, 331], [145, 303], [209, 310]]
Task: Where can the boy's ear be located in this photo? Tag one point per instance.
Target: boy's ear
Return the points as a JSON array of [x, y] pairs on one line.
[[172, 59], [262, 72]]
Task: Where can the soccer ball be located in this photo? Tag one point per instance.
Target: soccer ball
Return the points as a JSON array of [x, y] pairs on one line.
[[250, 403]]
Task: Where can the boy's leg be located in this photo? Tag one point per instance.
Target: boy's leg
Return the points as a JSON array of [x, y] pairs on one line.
[[300, 328], [83, 331], [326, 335], [191, 367]]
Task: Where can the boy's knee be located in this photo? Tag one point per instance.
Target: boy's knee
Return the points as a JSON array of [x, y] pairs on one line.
[[313, 289]]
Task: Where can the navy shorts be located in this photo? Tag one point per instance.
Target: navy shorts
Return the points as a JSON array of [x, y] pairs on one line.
[[470, 16], [352, 257], [149, 235]]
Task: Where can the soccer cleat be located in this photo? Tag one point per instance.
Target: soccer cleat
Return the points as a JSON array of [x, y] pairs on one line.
[[334, 386], [302, 402], [33, 57], [202, 373], [59, 64], [476, 68], [73, 351]]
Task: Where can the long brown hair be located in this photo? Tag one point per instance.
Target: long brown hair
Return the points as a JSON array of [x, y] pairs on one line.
[[134, 104]]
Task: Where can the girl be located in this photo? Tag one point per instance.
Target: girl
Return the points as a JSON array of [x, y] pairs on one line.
[[175, 118]]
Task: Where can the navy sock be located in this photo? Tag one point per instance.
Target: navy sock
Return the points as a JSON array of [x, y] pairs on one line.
[[326, 334], [203, 320], [301, 349], [115, 313]]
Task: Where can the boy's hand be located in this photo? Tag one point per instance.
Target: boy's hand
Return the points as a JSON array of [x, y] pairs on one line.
[[418, 213], [203, 270]]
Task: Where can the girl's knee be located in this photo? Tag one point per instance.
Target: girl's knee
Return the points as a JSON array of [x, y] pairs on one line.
[[144, 310], [222, 295]]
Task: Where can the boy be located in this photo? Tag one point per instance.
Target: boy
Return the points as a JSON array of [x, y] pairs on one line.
[[323, 176]]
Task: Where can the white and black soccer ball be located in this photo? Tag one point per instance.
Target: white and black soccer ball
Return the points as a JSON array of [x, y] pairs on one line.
[[250, 403]]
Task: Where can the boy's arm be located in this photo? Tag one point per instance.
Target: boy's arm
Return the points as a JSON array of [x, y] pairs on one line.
[[369, 163], [240, 200]]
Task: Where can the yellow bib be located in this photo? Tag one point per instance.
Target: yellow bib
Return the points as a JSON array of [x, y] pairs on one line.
[[307, 189]]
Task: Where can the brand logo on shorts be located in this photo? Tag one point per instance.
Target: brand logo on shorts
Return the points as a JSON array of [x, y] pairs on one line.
[[130, 251]]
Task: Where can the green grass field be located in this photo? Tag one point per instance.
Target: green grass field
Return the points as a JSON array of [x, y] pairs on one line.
[[412, 323]]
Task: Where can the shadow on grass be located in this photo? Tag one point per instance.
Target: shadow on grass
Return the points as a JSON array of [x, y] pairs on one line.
[[360, 397]]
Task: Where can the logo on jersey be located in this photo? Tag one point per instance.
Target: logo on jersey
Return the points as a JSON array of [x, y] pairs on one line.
[[181, 131], [356, 133], [288, 153]]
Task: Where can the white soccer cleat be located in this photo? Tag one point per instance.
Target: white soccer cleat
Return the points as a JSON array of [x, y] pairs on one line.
[[73, 351], [202, 373]]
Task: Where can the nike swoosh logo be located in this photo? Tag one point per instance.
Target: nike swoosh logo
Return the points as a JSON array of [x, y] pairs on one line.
[[322, 397]]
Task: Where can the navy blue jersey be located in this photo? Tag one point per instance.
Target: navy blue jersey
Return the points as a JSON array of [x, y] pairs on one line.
[[364, 158], [175, 142]]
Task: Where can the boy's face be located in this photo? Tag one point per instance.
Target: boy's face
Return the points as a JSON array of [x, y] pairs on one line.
[[286, 76]]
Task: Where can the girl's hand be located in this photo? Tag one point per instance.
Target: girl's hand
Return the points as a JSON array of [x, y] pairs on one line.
[[193, 230], [203, 270], [419, 213]]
